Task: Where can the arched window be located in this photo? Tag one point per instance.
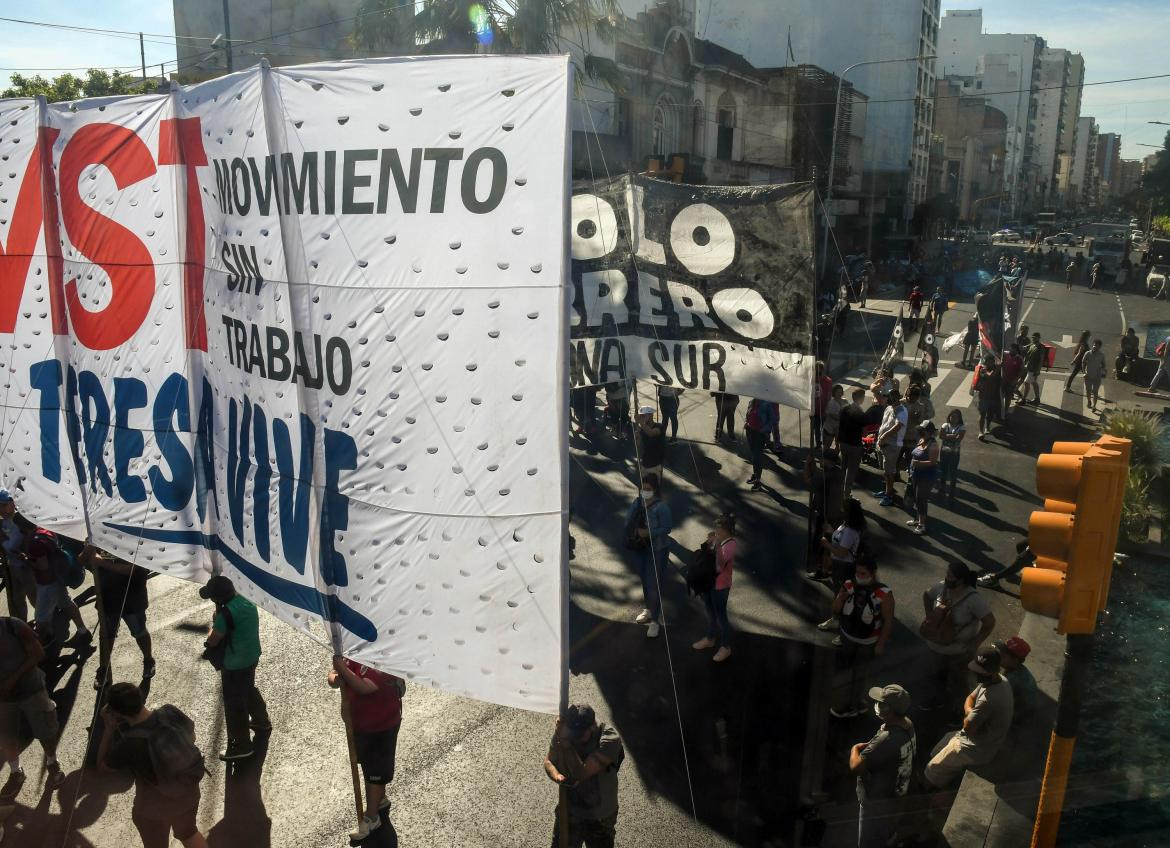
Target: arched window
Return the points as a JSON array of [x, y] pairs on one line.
[[725, 117], [665, 127], [698, 127]]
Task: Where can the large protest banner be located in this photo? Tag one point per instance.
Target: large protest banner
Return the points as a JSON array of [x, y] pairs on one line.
[[308, 327], [697, 287]]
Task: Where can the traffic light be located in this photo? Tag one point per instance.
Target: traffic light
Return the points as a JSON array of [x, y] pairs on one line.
[[1075, 536]]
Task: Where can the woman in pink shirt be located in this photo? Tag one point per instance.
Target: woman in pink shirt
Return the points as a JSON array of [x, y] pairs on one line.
[[722, 541]]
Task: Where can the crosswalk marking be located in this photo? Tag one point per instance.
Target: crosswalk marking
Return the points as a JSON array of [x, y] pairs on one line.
[[1052, 392], [961, 399]]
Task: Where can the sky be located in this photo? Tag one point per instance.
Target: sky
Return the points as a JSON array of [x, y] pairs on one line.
[[1117, 38]]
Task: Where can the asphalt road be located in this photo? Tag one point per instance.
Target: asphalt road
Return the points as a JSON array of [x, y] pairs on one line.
[[716, 754]]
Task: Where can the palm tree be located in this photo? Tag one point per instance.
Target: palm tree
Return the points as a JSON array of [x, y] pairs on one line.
[[496, 26]]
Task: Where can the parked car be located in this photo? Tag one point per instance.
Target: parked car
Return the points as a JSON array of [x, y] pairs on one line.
[[1158, 281], [981, 237], [1005, 235], [1062, 238]]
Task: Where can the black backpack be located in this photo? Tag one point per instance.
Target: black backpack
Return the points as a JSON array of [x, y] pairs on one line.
[[175, 759], [701, 574]]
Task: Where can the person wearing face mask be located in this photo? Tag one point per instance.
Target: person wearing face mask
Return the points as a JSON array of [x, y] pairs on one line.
[[865, 609], [957, 621], [648, 526], [883, 766], [722, 542]]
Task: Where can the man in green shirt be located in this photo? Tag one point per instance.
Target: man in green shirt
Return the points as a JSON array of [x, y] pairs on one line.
[[237, 624]]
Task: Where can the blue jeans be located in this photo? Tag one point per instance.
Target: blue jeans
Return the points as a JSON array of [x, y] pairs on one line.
[[718, 625], [651, 576]]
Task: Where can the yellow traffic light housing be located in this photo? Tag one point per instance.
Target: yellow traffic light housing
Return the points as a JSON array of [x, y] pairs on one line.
[[1075, 536]]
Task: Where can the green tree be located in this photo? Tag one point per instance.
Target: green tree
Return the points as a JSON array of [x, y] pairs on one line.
[[496, 26], [1156, 182], [97, 83]]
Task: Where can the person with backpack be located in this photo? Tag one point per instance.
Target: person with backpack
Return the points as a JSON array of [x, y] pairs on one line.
[[233, 646], [583, 759], [25, 702], [864, 610], [53, 569], [956, 621], [761, 418], [158, 748], [648, 526], [121, 593], [722, 544], [373, 700]]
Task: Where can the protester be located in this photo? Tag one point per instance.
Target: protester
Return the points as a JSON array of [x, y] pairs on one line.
[[583, 758], [725, 405], [915, 307], [1024, 339], [1163, 363], [832, 420], [650, 438], [987, 384], [719, 633], [1009, 370], [1034, 360], [923, 474], [1078, 356], [822, 389], [951, 435], [938, 308], [843, 546], [1070, 273], [122, 597], [158, 748], [617, 408], [1024, 558], [15, 533], [1095, 275], [1093, 365], [957, 621], [987, 718], [971, 343], [648, 526], [374, 702], [826, 483], [890, 437], [1012, 654], [758, 423], [49, 565], [237, 626], [918, 409], [25, 702], [849, 434], [668, 397], [1129, 354], [883, 767], [864, 610]]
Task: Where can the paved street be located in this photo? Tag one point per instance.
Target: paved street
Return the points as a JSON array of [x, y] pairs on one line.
[[716, 755]]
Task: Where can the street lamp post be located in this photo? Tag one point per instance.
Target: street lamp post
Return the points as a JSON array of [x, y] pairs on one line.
[[833, 146]]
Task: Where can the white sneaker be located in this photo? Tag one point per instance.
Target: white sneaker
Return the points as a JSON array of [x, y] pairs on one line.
[[722, 654], [704, 643], [652, 630], [987, 580], [365, 828], [643, 616]]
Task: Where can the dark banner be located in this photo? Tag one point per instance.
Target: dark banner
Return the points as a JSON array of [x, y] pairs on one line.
[[696, 287]]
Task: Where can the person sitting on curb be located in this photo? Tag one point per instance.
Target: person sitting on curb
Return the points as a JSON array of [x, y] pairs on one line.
[[1012, 653], [987, 718]]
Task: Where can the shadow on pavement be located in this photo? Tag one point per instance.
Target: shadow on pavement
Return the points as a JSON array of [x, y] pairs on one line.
[[245, 820]]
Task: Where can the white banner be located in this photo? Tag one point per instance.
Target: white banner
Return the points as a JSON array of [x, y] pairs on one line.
[[307, 326]]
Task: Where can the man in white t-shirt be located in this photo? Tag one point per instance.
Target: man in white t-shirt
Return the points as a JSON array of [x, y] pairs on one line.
[[890, 436]]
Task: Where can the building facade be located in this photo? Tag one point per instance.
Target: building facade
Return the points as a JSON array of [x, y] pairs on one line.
[[1082, 191], [1006, 67], [970, 149], [1058, 107], [1108, 164]]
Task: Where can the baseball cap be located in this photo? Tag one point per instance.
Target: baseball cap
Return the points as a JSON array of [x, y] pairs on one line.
[[645, 410], [580, 717], [1015, 646], [5, 497], [986, 663], [892, 696], [219, 589]]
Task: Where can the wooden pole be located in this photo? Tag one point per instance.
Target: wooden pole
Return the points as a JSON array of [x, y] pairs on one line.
[[359, 803]]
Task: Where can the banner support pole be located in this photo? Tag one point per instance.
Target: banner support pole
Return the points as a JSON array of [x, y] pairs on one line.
[[359, 804]]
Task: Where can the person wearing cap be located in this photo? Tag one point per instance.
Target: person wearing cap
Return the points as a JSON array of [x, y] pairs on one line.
[[758, 423], [650, 440], [957, 621], [923, 474], [883, 766], [1012, 653], [583, 758], [237, 624], [374, 702], [15, 534], [890, 437], [987, 718]]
